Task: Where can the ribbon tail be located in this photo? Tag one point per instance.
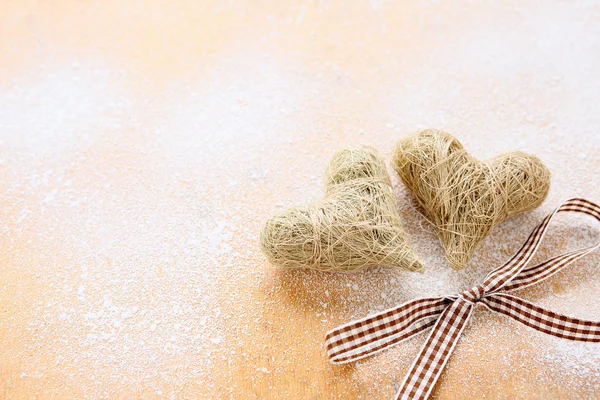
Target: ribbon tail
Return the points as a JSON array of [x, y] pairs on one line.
[[375, 333], [543, 320], [435, 353]]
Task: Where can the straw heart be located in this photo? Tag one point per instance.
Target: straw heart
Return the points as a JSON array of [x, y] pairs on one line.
[[465, 198], [355, 226], [449, 315]]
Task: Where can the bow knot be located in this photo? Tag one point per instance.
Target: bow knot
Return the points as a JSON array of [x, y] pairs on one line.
[[474, 294], [449, 315]]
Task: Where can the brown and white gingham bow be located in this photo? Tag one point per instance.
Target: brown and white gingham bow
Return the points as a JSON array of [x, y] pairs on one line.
[[449, 315]]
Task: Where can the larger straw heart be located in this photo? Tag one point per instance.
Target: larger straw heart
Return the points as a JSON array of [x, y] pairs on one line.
[[357, 225], [463, 197]]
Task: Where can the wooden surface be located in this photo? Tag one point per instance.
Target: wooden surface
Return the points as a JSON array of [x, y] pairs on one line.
[[143, 144]]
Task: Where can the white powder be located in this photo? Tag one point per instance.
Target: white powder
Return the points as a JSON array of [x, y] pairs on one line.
[[131, 212]]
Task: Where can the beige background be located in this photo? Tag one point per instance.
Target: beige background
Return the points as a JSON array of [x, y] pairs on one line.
[[143, 144]]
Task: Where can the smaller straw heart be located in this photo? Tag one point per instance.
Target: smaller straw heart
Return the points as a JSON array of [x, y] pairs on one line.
[[355, 226]]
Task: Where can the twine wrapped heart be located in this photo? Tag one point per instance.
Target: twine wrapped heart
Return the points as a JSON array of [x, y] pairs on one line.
[[448, 316], [463, 197], [357, 225]]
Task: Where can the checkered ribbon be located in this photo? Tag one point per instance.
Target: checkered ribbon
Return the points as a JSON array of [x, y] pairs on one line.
[[450, 314]]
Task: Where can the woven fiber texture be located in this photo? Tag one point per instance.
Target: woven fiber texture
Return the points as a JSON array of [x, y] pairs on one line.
[[464, 198], [357, 225]]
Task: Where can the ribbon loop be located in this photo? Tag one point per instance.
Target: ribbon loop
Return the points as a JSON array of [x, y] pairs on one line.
[[375, 333], [449, 315]]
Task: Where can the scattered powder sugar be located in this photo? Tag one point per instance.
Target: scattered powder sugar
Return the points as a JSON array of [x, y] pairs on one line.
[[131, 212]]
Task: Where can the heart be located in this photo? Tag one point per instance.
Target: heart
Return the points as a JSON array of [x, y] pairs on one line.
[[464, 198], [357, 225]]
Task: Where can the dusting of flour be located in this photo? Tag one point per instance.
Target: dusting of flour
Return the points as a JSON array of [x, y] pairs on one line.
[[132, 199]]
